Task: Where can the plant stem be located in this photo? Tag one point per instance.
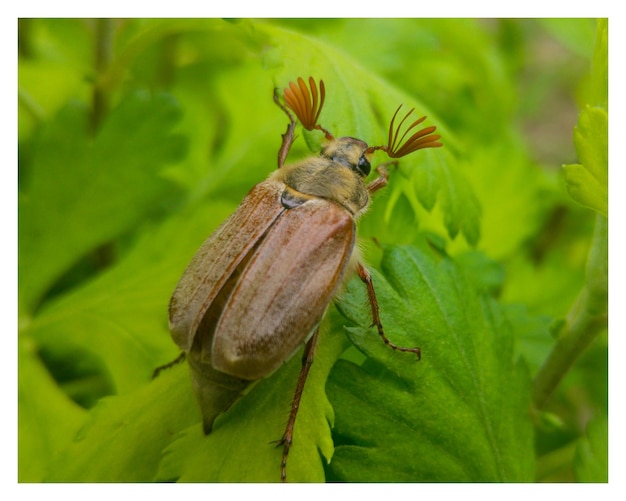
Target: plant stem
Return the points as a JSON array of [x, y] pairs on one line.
[[103, 53], [586, 319]]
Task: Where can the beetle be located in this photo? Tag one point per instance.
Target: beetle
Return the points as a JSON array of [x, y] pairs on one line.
[[259, 286]]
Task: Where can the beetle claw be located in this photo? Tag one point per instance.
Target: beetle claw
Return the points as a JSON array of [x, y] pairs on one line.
[[280, 442]]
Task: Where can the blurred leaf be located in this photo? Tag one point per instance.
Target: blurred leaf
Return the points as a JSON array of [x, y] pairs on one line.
[[599, 86], [248, 145], [486, 274], [461, 208], [549, 276], [510, 188], [59, 53], [124, 437], [533, 334], [435, 60], [121, 316], [458, 415], [577, 34], [47, 418], [240, 448], [78, 193], [587, 182], [591, 463]]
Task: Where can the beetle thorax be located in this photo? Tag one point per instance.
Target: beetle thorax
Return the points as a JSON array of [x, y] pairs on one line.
[[337, 174]]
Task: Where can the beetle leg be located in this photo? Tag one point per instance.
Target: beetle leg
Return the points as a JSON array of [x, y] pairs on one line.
[[288, 136], [383, 177], [286, 441], [365, 276], [169, 365]]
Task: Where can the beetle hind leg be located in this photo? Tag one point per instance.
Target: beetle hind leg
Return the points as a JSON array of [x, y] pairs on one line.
[[287, 439]]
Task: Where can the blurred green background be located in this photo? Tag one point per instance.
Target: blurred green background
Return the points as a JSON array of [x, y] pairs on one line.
[[137, 137]]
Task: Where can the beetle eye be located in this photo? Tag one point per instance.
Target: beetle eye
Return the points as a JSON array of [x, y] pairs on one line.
[[363, 166]]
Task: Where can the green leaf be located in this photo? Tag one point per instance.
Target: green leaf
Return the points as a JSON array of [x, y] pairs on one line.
[[587, 182], [510, 188], [461, 208], [486, 274], [120, 317], [241, 446], [461, 413], [125, 435], [47, 83], [78, 192], [599, 85], [47, 418], [533, 334], [360, 104], [591, 463]]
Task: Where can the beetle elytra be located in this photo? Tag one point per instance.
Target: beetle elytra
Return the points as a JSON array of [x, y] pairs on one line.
[[259, 286]]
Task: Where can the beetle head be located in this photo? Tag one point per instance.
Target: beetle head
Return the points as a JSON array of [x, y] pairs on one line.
[[349, 151]]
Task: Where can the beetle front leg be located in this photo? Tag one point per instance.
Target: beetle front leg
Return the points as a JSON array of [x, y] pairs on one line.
[[287, 440], [383, 176], [288, 136], [365, 276]]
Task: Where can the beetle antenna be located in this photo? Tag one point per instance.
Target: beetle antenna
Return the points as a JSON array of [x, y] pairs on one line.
[[421, 139], [307, 105]]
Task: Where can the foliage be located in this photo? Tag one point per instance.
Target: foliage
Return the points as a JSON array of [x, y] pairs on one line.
[[138, 137]]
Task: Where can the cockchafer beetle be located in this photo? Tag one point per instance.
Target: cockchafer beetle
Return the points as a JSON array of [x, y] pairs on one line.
[[259, 286]]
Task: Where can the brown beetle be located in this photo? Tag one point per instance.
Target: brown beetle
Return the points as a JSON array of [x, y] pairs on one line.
[[259, 286]]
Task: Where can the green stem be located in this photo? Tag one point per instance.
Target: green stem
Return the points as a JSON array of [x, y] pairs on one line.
[[105, 30], [586, 319]]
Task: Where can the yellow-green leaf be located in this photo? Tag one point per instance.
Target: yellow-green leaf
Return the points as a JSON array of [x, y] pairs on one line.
[[587, 182]]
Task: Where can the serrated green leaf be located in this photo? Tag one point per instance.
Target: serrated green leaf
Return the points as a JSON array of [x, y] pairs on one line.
[[460, 414], [587, 182], [591, 463], [460, 206], [240, 448], [77, 193], [124, 437]]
